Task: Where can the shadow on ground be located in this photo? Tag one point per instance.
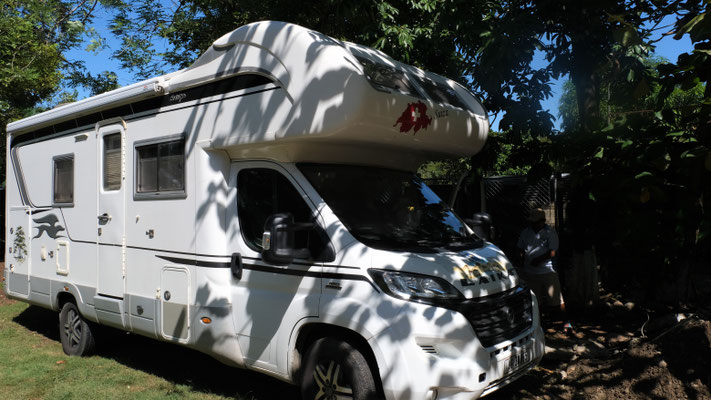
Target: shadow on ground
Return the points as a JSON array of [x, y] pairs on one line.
[[176, 364]]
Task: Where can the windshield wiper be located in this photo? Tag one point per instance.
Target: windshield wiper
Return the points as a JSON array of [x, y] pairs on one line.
[[430, 242]]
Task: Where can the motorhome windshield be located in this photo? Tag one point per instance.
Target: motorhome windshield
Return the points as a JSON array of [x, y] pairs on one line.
[[388, 209]]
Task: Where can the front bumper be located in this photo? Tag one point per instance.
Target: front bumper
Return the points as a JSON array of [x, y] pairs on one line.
[[433, 353]]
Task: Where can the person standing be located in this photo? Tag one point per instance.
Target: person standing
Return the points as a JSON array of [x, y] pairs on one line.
[[538, 244]]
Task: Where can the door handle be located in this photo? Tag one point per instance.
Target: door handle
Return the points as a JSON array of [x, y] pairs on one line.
[[104, 218], [236, 265]]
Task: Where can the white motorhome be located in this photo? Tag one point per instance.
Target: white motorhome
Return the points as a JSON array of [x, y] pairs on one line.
[[260, 206]]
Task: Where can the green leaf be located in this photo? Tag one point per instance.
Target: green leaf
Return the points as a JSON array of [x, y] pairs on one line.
[[627, 36], [662, 163], [626, 143], [600, 153], [690, 83], [698, 151], [643, 175], [630, 75], [689, 26]]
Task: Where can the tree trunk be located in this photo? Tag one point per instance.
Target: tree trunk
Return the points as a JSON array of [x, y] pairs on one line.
[[586, 79]]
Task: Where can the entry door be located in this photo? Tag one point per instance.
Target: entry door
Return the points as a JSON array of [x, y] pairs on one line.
[[110, 213]]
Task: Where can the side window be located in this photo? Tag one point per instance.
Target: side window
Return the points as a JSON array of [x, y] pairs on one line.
[[160, 168], [262, 192], [112, 161], [64, 180]]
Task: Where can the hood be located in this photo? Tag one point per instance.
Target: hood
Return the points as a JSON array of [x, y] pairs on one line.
[[475, 273]]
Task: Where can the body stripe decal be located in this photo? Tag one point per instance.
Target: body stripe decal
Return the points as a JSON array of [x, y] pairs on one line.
[[269, 269]]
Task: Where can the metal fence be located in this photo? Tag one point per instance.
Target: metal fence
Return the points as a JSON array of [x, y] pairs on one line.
[[509, 200]]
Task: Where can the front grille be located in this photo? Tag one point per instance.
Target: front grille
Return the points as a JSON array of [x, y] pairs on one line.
[[499, 317]]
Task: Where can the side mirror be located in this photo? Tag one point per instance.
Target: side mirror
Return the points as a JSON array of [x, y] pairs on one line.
[[278, 239], [482, 225]]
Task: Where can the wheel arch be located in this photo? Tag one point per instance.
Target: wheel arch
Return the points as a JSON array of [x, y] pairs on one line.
[[313, 331], [64, 298]]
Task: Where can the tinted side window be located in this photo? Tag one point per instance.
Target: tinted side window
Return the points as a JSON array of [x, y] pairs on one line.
[[262, 192], [440, 92], [112, 161], [161, 167], [64, 180]]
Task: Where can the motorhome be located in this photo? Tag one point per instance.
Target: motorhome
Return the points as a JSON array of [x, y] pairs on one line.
[[262, 206]]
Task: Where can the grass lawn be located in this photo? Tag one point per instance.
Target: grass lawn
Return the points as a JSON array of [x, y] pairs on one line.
[[33, 366]]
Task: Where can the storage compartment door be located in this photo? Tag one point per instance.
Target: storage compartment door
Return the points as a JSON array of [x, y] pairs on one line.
[[175, 312]]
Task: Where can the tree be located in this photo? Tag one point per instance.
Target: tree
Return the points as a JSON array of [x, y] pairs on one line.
[[639, 146], [35, 35], [620, 98], [649, 170]]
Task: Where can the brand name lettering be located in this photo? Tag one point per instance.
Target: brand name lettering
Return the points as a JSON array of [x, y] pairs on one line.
[[177, 97], [481, 274]]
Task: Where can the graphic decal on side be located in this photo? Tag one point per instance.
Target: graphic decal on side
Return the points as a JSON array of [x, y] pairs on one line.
[[48, 224], [414, 117], [19, 244]]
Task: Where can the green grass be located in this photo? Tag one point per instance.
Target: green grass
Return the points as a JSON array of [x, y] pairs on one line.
[[33, 366]]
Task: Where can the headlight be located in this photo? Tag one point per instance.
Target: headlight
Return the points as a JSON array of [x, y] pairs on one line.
[[415, 287]]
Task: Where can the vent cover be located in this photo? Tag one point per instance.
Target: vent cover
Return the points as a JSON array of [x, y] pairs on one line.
[[428, 348]]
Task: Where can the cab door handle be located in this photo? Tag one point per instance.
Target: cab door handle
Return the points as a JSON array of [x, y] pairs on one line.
[[104, 218], [236, 265]]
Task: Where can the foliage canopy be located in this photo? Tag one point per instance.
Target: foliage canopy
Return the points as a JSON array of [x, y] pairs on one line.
[[636, 130]]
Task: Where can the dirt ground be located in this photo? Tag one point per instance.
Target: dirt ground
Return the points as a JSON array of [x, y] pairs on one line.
[[621, 351]]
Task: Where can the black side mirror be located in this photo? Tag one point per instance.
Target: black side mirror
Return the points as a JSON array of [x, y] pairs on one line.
[[482, 225], [278, 239]]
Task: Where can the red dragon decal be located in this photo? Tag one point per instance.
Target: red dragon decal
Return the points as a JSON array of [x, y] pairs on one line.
[[414, 116]]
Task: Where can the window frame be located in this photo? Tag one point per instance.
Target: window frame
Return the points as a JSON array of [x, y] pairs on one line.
[[291, 177], [277, 171], [62, 157], [159, 195]]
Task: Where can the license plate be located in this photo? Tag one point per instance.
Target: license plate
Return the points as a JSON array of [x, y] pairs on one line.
[[518, 360]]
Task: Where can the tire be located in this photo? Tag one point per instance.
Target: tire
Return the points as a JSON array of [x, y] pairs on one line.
[[336, 370], [75, 332]]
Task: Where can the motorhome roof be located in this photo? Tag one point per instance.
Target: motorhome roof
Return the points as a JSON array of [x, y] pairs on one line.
[[336, 92]]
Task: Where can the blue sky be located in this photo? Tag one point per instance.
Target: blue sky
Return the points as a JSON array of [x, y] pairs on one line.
[[101, 61]]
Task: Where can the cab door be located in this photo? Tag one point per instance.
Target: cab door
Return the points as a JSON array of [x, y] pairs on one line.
[[268, 300]]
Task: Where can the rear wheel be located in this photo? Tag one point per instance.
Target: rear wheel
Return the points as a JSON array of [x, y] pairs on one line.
[[336, 370], [75, 332]]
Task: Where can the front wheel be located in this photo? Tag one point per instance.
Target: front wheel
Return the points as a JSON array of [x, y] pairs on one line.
[[336, 370], [75, 332]]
